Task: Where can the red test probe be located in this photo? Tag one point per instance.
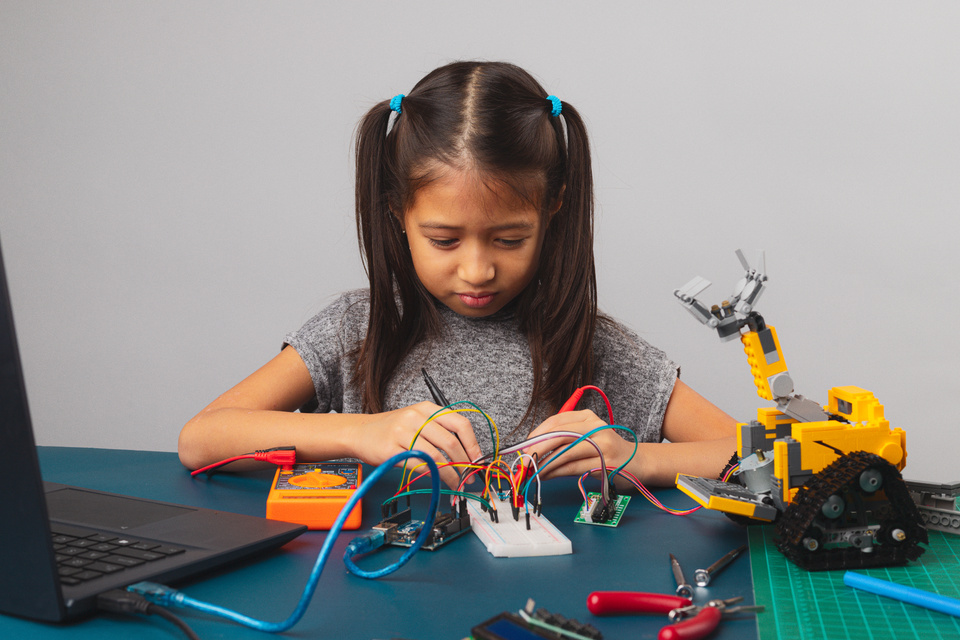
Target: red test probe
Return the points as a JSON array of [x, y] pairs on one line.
[[572, 401], [280, 456]]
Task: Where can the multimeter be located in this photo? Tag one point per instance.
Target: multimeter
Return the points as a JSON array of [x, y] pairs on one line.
[[314, 493]]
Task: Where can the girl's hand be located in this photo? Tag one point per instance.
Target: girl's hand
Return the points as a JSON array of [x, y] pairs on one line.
[[447, 438], [583, 457]]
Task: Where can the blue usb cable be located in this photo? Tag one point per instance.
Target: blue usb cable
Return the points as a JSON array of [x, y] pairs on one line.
[[165, 596]]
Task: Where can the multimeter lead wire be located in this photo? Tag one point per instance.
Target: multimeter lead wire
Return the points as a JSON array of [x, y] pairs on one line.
[[280, 456]]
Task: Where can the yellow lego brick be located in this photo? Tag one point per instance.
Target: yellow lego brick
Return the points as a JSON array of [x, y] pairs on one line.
[[726, 505], [774, 421], [855, 404], [764, 357], [823, 442], [781, 468]]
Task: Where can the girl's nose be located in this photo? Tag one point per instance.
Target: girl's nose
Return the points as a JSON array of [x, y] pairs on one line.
[[476, 268]]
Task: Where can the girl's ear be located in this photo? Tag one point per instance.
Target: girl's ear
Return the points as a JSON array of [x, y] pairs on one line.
[[398, 218], [557, 203]]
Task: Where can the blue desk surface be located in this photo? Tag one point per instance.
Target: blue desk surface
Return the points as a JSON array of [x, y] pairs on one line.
[[437, 595]]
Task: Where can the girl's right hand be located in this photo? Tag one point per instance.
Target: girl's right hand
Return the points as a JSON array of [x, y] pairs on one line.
[[447, 438]]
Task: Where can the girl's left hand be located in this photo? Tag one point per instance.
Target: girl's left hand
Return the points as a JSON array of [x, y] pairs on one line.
[[583, 457]]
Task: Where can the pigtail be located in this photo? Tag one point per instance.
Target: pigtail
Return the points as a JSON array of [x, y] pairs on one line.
[[401, 313], [370, 209], [562, 315]]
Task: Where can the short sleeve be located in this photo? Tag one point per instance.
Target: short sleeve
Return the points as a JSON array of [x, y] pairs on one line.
[[325, 344], [636, 376]]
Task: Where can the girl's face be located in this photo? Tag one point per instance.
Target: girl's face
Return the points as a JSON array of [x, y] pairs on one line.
[[475, 246]]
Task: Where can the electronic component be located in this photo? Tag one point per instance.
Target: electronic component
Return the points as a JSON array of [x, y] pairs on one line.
[[401, 529], [314, 493], [529, 624], [594, 511], [530, 535]]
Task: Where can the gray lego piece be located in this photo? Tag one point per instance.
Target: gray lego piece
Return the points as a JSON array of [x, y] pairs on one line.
[[705, 488], [802, 409], [937, 504]]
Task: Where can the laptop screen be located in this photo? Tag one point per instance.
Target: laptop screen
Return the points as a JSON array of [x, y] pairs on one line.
[[28, 579]]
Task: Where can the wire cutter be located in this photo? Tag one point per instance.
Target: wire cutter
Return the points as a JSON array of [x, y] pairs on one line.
[[691, 622]]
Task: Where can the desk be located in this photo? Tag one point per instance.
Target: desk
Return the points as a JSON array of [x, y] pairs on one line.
[[438, 595]]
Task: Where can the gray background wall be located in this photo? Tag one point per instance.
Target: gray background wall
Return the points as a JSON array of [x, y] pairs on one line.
[[176, 186]]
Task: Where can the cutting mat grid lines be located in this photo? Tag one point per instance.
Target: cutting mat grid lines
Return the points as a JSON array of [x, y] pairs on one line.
[[816, 605]]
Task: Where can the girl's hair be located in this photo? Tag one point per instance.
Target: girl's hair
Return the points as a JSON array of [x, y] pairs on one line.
[[495, 119]]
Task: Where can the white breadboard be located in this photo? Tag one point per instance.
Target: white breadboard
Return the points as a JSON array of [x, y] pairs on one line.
[[510, 538]]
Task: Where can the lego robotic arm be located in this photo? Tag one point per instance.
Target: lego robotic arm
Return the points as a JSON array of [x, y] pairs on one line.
[[736, 318]]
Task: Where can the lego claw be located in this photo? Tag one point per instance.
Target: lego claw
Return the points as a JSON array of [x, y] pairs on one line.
[[687, 295], [693, 288]]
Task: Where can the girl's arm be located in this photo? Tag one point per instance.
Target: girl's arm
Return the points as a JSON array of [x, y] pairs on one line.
[[701, 440], [260, 413]]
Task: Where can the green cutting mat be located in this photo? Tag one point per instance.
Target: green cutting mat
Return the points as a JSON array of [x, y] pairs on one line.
[[816, 605]]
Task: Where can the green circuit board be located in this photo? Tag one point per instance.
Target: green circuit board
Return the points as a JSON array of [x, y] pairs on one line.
[[620, 506]]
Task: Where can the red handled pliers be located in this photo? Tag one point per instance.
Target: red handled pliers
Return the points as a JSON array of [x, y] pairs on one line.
[[695, 621]]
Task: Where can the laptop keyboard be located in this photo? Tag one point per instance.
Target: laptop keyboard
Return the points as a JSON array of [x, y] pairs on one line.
[[84, 555]]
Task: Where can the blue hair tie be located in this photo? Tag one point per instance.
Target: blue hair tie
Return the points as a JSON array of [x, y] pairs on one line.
[[557, 107], [395, 102]]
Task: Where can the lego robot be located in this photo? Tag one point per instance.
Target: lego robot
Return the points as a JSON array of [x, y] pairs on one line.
[[828, 476]]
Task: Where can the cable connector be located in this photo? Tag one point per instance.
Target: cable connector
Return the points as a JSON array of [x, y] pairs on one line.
[[572, 401], [280, 456], [120, 601], [156, 593], [365, 543]]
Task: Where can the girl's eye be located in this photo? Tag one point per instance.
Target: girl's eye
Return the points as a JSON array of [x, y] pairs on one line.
[[511, 243], [443, 243]]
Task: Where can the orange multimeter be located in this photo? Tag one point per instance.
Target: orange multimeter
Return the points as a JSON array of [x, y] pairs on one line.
[[314, 493]]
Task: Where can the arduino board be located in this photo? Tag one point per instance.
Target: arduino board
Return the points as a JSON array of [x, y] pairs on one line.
[[314, 493], [401, 530]]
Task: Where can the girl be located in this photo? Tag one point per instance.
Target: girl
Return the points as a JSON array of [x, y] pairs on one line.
[[474, 208]]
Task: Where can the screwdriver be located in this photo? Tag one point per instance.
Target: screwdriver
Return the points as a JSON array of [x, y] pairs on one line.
[[683, 587], [703, 576]]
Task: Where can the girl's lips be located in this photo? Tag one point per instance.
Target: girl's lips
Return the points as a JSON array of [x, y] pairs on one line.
[[476, 302]]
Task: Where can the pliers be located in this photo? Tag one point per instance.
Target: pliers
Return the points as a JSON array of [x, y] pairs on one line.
[[691, 622]]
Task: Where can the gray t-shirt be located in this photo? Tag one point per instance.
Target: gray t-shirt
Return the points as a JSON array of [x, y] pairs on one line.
[[486, 361]]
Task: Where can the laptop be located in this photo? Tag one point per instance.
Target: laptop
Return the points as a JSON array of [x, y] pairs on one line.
[[63, 545]]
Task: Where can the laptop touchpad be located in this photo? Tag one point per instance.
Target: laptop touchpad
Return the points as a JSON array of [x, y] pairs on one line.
[[111, 511]]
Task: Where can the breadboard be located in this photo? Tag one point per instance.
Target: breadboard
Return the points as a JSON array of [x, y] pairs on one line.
[[813, 605], [510, 538]]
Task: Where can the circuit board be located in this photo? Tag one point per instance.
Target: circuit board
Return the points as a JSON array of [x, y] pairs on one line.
[[401, 530], [812, 605], [620, 505]]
